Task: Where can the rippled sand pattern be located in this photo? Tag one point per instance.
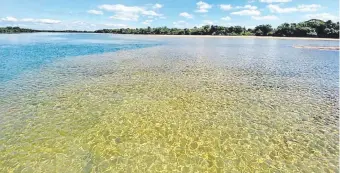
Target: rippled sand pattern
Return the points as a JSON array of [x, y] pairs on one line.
[[166, 109]]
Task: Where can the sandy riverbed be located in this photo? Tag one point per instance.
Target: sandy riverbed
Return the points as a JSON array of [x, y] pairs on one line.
[[175, 108]]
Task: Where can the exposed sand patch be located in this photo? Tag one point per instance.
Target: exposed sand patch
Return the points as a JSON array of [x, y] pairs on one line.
[[318, 47]]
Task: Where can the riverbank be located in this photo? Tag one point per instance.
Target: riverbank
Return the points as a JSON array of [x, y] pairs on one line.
[[188, 36], [223, 36]]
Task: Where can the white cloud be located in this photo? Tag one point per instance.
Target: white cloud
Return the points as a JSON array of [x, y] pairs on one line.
[[226, 18], [147, 22], [226, 7], [47, 21], [120, 8], [53, 25], [299, 8], [207, 22], [250, 26], [269, 17], [247, 13], [116, 25], [27, 20], [210, 22], [309, 8], [250, 7], [157, 6], [125, 16], [131, 13], [97, 12], [273, 1], [78, 22], [41, 21], [203, 7], [278, 9], [186, 15], [150, 13], [323, 16], [71, 25], [9, 19], [228, 24], [181, 24]]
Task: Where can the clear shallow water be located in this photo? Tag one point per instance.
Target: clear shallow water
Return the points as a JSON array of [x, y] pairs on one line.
[[21, 52], [192, 104]]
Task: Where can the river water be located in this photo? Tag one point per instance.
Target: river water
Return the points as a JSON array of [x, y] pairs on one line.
[[100, 102]]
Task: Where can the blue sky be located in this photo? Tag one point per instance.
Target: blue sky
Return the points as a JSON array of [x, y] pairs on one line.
[[91, 15]]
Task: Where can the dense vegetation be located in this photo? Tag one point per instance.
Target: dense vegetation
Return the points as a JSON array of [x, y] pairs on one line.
[[15, 30], [10, 29], [310, 28]]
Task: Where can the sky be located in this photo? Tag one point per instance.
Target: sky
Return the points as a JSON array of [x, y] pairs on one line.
[[99, 14]]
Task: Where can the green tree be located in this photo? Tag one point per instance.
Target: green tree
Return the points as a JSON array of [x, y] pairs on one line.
[[259, 32], [265, 29], [238, 30], [206, 29]]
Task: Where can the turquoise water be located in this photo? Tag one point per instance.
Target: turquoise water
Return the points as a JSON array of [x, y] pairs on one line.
[[21, 52], [73, 103]]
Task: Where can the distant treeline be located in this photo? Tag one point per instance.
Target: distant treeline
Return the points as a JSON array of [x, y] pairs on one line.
[[9, 30], [310, 28]]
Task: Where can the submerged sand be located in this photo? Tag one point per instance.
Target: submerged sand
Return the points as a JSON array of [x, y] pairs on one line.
[[170, 109]]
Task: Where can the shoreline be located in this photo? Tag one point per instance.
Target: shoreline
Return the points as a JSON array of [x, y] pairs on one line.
[[223, 36], [196, 36], [318, 47]]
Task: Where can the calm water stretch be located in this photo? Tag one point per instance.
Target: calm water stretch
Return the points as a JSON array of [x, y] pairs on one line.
[[105, 103]]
